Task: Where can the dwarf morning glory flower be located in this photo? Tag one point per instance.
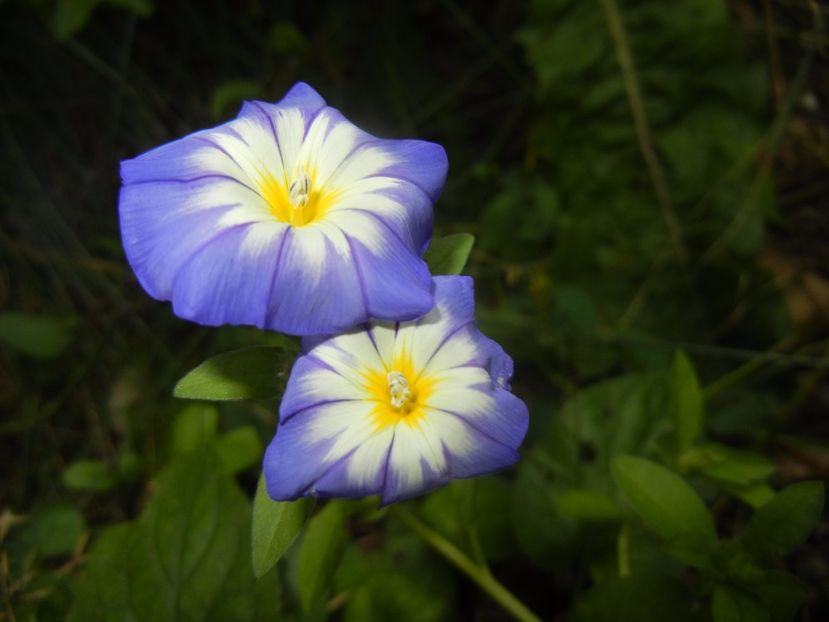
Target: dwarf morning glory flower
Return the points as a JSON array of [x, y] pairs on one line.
[[288, 218], [397, 409]]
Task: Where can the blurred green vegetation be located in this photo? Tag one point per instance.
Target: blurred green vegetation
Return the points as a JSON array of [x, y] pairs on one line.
[[646, 185]]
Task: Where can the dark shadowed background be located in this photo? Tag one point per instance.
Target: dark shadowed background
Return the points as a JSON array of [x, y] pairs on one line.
[[641, 178]]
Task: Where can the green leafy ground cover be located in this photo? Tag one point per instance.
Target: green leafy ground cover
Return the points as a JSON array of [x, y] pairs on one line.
[[643, 182]]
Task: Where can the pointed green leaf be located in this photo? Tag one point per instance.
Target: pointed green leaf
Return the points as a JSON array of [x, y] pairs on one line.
[[727, 465], [249, 373], [587, 505], [448, 255], [229, 95], [185, 558], [89, 476], [193, 426], [322, 546], [781, 593], [664, 501], [783, 524], [641, 597], [37, 336], [240, 448], [730, 604], [755, 495], [276, 524], [53, 530], [397, 581], [687, 397]]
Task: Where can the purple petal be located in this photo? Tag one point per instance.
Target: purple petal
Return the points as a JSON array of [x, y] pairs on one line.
[[414, 223], [399, 480], [221, 283], [291, 463], [316, 289], [395, 281], [505, 420], [421, 163], [163, 224], [311, 384], [360, 473], [481, 453], [180, 159], [314, 443], [454, 300], [300, 96]]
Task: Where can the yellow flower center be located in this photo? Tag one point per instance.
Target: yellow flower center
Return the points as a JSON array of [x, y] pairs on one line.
[[400, 394], [297, 201]]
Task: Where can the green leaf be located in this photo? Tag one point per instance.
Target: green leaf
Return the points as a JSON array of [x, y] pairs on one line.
[[193, 426], [231, 94], [730, 604], [664, 501], [755, 495], [471, 513], [783, 524], [240, 448], [641, 597], [53, 530], [38, 336], [89, 476], [545, 537], [525, 193], [249, 373], [727, 465], [186, 558], [285, 38], [687, 397], [588, 505], [448, 255], [398, 581], [102, 592], [781, 593], [71, 16], [615, 417], [276, 524], [320, 550]]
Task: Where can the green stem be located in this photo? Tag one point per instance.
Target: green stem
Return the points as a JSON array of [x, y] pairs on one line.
[[640, 120], [746, 369], [623, 550], [480, 575]]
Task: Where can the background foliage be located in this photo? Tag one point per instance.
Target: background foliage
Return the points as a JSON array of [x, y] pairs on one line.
[[646, 185]]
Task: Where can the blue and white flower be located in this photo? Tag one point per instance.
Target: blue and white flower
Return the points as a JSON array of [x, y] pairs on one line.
[[397, 409], [288, 218]]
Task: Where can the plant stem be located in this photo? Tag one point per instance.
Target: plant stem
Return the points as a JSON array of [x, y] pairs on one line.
[[774, 140], [479, 574], [623, 550], [747, 368], [640, 121]]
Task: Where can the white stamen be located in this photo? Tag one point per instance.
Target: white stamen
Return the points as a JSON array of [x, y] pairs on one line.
[[399, 390], [299, 189]]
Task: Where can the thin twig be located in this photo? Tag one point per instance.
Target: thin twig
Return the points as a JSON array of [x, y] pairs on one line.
[[4, 586], [748, 368], [775, 139], [640, 120]]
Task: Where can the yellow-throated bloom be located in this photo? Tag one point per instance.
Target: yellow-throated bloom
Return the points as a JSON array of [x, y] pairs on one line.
[[288, 218], [396, 409]]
